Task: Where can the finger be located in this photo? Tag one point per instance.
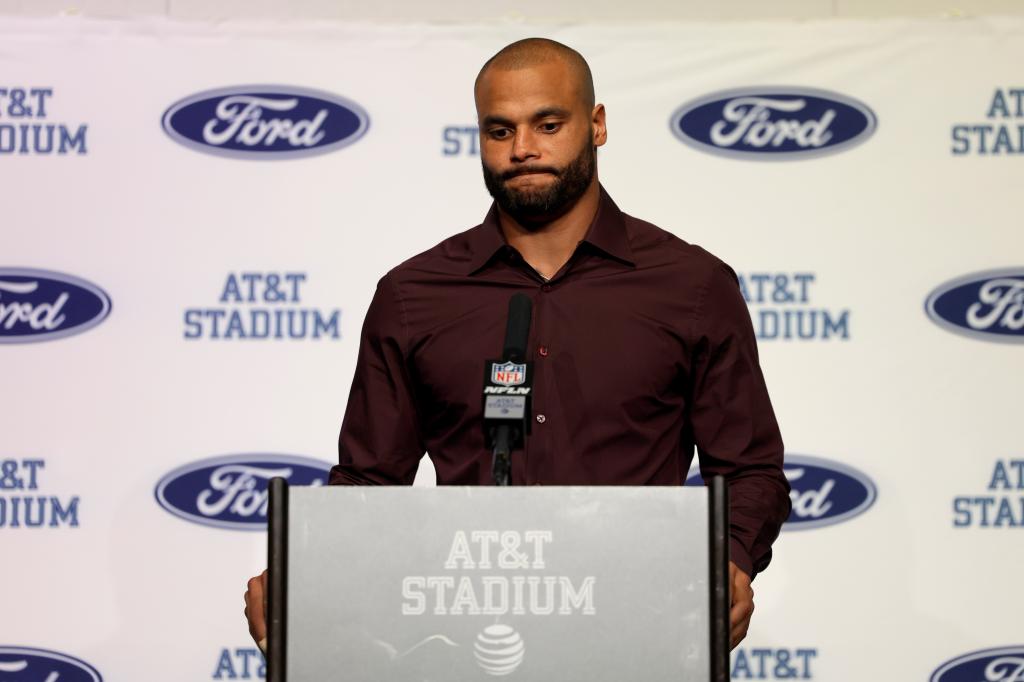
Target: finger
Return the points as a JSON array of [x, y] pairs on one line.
[[255, 610], [736, 636], [740, 588], [742, 593], [256, 591], [741, 612], [257, 624], [739, 621], [257, 629]]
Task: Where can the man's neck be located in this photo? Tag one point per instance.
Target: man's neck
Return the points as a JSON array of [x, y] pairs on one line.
[[549, 245]]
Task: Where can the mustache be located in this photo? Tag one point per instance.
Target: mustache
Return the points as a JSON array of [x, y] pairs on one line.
[[508, 175]]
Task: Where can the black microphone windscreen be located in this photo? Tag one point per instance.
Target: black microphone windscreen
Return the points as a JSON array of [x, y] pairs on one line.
[[517, 333]]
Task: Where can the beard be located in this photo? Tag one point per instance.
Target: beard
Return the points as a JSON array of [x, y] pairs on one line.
[[540, 204]]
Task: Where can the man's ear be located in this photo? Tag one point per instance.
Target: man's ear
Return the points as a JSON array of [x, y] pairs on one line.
[[597, 122]]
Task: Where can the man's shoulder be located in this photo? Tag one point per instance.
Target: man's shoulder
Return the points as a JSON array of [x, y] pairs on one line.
[[656, 246], [452, 256]]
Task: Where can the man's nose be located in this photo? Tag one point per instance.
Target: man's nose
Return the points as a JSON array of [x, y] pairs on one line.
[[524, 145]]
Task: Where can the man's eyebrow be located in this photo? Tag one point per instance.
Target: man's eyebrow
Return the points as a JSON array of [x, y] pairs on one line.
[[546, 112], [550, 111], [491, 120]]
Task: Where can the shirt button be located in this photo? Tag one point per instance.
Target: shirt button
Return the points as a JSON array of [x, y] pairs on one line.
[[543, 350], [541, 419], [546, 288]]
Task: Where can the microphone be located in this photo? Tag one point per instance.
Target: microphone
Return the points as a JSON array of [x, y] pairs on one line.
[[517, 333], [508, 384]]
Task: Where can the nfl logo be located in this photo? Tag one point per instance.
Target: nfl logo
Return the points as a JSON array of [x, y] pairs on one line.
[[508, 374]]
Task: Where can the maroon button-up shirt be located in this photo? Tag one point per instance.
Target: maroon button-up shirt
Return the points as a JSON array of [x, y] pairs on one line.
[[642, 347]]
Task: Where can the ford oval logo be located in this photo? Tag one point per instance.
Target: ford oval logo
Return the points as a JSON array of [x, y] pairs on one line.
[[25, 664], [265, 122], [231, 491], [823, 492], [39, 305], [985, 305], [1005, 664], [773, 123]]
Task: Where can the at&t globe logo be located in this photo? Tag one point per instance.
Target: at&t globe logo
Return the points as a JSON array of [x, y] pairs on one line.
[[499, 650], [984, 305], [265, 122], [773, 123]]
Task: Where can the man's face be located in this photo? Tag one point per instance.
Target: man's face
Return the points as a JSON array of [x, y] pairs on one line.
[[537, 140]]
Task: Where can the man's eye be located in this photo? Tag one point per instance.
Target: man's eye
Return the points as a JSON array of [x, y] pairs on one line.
[[499, 133], [550, 127]]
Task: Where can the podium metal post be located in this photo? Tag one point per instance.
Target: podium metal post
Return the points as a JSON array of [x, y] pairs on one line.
[[277, 580], [718, 554]]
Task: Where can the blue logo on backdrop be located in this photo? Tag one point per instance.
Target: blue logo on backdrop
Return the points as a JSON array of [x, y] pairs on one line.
[[781, 310], [773, 123], [262, 306], [26, 135], [984, 305], [1004, 138], [26, 664], [33, 510], [265, 122], [772, 664], [823, 492], [39, 305], [998, 510], [1005, 664], [460, 141], [242, 663], [231, 492]]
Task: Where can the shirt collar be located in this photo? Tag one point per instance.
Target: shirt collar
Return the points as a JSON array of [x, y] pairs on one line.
[[607, 233]]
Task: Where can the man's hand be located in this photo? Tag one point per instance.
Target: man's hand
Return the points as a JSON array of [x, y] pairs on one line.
[[742, 605], [256, 609]]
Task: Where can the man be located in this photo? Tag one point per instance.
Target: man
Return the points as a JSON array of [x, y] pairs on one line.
[[642, 344]]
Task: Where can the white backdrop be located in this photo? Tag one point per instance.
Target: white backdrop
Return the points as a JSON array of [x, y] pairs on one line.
[[923, 414]]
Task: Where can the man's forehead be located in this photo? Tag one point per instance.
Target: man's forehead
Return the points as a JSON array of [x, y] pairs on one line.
[[550, 84]]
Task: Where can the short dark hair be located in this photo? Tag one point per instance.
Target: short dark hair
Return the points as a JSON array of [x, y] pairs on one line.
[[532, 51]]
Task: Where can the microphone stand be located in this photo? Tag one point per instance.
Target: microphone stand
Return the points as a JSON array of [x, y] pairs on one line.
[[501, 467], [510, 430]]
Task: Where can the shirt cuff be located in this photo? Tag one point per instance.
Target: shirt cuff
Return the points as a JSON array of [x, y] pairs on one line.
[[739, 556]]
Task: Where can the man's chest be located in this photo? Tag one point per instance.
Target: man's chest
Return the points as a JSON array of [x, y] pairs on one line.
[[596, 343]]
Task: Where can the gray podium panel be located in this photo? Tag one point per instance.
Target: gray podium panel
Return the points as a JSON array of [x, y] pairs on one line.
[[474, 583]]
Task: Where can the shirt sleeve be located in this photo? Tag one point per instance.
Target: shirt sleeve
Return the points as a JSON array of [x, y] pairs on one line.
[[734, 426], [380, 441]]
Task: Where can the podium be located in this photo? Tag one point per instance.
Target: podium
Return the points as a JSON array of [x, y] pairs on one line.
[[540, 583]]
